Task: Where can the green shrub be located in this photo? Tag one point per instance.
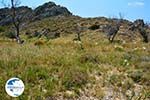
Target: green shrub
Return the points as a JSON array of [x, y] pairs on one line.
[[136, 76], [94, 27], [2, 29], [89, 58], [116, 80], [10, 35], [73, 79]]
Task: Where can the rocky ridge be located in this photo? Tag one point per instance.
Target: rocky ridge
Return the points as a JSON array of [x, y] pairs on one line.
[[49, 9]]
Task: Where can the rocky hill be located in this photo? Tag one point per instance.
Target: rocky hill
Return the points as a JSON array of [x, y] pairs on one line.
[[60, 20], [46, 10], [55, 64]]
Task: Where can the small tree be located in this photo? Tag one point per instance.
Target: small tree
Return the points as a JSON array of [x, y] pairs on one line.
[[113, 30], [16, 19], [78, 35], [144, 34], [140, 26]]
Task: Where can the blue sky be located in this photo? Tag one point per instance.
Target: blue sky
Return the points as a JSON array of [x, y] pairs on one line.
[[131, 9]]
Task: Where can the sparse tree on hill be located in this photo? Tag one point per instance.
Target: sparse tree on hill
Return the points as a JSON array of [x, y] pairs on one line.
[[142, 28], [16, 19], [112, 32], [78, 35], [144, 34], [113, 29]]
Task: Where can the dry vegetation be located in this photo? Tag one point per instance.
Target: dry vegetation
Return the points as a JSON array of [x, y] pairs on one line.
[[60, 69]]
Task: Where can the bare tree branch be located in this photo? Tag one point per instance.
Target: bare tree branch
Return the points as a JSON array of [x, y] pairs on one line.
[[16, 20]]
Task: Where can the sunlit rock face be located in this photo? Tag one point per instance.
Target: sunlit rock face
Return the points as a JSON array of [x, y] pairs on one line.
[[50, 9]]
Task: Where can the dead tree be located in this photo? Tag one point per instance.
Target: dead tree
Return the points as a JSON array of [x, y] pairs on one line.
[[78, 36], [16, 19], [79, 30], [144, 34], [112, 31], [141, 27]]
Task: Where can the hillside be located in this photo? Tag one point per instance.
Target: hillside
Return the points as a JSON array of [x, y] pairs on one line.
[[56, 66], [28, 14]]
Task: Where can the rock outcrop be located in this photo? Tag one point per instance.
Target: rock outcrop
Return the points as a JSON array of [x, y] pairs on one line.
[[50, 9], [25, 13]]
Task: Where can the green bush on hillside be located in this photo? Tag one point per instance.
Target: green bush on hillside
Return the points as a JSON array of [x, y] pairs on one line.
[[2, 29], [9, 35]]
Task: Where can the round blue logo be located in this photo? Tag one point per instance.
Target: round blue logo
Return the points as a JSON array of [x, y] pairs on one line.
[[14, 87]]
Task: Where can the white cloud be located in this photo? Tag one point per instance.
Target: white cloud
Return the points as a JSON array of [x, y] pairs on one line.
[[136, 4]]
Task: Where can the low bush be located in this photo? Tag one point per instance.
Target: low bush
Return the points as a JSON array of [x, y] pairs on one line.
[[94, 27], [2, 29], [73, 79], [9, 35], [39, 43]]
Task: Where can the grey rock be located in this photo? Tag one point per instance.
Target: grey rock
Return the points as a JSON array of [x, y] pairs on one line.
[[25, 13], [50, 9]]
